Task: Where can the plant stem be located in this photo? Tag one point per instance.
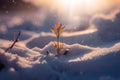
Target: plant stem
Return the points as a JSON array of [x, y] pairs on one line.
[[58, 50]]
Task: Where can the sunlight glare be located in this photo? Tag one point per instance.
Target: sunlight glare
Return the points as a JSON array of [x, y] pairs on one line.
[[72, 9], [77, 4]]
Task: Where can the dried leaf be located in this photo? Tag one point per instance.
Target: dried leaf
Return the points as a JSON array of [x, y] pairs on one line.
[[53, 31], [61, 30], [61, 46], [55, 44], [58, 25]]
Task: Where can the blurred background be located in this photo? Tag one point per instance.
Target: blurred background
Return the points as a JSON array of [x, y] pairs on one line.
[[41, 15]]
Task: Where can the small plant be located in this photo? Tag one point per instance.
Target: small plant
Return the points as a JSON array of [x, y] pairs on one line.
[[58, 30]]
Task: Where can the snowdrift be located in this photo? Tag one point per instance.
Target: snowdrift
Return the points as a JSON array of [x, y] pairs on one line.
[[28, 59]]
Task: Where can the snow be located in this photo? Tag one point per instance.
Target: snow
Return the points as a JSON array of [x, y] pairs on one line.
[[28, 59], [94, 53]]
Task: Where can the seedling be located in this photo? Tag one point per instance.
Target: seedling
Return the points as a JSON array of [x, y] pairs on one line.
[[58, 30]]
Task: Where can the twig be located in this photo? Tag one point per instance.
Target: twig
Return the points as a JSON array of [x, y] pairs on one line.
[[47, 53], [15, 41]]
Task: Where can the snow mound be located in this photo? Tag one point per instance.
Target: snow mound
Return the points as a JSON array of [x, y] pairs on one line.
[[108, 29], [82, 62]]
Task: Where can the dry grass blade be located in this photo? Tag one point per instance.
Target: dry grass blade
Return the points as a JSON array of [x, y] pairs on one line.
[[15, 41]]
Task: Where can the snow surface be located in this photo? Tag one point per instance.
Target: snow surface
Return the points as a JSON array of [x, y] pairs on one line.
[[94, 53], [28, 59]]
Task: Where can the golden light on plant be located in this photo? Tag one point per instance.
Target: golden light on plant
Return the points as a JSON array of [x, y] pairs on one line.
[[57, 31]]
